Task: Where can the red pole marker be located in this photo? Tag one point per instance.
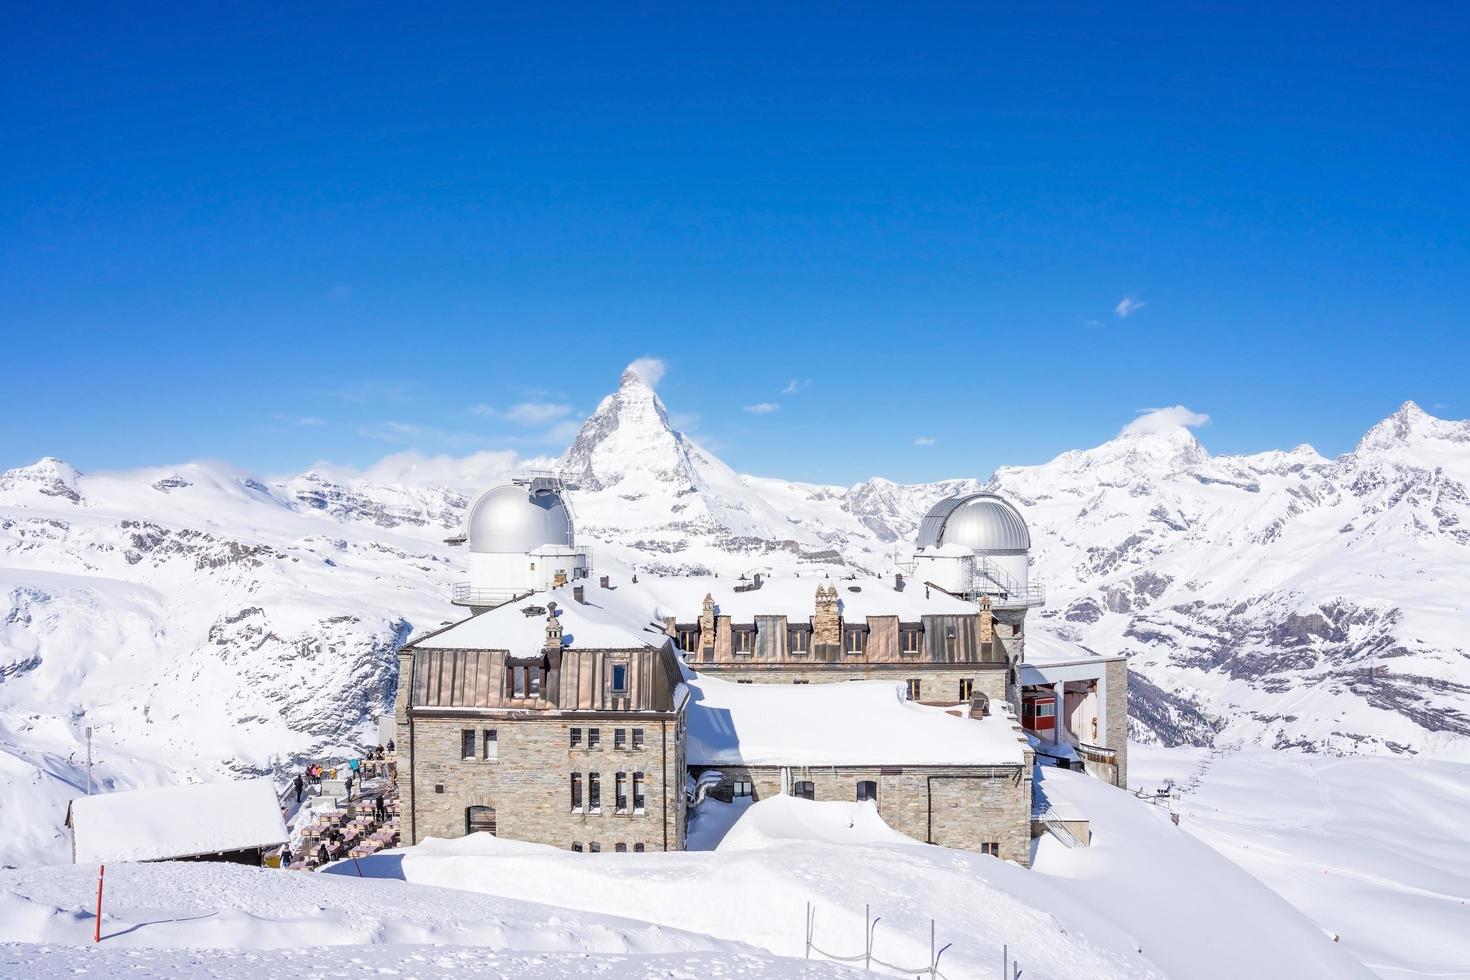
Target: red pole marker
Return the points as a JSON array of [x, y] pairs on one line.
[[97, 933]]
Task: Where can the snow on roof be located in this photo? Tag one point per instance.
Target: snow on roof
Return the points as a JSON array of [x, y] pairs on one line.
[[611, 619], [1045, 647], [176, 821], [795, 598], [625, 615], [867, 723]]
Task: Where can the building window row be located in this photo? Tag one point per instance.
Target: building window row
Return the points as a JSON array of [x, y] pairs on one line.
[[489, 745], [621, 785], [595, 848], [594, 738]]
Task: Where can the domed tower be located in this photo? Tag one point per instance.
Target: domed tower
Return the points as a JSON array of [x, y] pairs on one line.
[[977, 545], [521, 540]]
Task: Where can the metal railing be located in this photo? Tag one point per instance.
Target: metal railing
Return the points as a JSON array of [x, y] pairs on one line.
[[461, 594]]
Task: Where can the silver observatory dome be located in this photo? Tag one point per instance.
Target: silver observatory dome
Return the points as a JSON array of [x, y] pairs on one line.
[[517, 519], [981, 522]]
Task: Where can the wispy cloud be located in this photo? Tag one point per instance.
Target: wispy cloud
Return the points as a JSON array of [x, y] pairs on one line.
[[311, 420], [302, 420], [762, 408], [411, 433], [1163, 419], [796, 386], [526, 413], [925, 441], [1127, 306], [650, 369]]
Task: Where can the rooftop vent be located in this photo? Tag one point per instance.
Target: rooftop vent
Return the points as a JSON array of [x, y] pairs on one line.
[[529, 611], [854, 588]]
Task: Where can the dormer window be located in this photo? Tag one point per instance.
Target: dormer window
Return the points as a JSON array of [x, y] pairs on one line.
[[620, 678], [799, 641], [855, 640], [910, 639], [742, 641]]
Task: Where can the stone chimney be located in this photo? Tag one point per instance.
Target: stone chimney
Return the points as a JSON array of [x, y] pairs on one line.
[[826, 624], [707, 623], [898, 581], [553, 629], [579, 594], [987, 621]]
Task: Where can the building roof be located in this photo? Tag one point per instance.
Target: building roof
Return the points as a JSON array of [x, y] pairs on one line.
[[517, 519], [175, 821], [982, 522], [851, 723], [611, 619], [795, 598]]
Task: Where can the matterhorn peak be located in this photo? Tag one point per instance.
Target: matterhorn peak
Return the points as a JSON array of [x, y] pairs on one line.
[[628, 433]]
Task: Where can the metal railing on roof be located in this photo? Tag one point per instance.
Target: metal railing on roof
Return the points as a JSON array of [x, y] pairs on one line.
[[461, 594]]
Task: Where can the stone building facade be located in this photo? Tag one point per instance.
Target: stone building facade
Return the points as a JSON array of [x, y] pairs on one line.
[[576, 748]]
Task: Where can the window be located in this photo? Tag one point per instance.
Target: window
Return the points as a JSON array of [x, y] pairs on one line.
[[806, 790], [576, 791], [490, 746], [867, 790], [741, 787], [576, 738], [742, 640], [620, 792], [594, 848], [479, 820], [576, 846], [798, 641], [525, 682], [990, 847], [967, 688], [1046, 709], [620, 738], [637, 738], [467, 743], [688, 638], [855, 641], [594, 737], [620, 678], [638, 791], [914, 688], [911, 639], [950, 644], [594, 791], [638, 848], [620, 848]]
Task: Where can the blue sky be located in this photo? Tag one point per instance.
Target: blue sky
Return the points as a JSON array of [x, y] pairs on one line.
[[334, 231]]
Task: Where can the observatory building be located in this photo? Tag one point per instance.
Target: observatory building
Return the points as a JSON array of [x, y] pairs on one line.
[[522, 540], [977, 545], [603, 714]]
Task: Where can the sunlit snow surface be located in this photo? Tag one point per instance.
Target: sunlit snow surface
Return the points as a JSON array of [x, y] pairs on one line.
[[1374, 850]]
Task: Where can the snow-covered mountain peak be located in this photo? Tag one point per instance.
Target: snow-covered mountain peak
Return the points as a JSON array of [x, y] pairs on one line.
[[46, 477], [1411, 431], [629, 435]]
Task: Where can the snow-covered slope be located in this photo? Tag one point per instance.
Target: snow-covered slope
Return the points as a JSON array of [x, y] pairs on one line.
[[1308, 602], [206, 621]]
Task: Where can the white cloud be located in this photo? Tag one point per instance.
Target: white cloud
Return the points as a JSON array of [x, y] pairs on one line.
[[311, 420], [925, 441], [1163, 419], [796, 386], [762, 408], [525, 413], [1127, 306], [472, 473], [650, 369]]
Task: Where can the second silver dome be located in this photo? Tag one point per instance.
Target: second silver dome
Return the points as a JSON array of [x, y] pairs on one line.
[[981, 522], [516, 519]]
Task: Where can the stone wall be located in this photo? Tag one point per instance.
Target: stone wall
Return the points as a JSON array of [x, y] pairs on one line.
[[529, 781], [1117, 715], [954, 806]]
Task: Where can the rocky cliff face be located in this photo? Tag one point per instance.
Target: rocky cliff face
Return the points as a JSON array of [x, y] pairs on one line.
[[204, 620]]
